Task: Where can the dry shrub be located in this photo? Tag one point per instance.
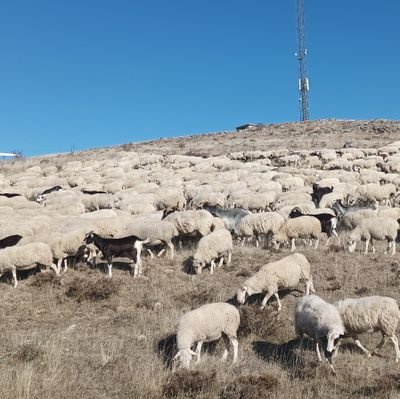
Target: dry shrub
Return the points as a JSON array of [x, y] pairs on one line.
[[85, 289], [381, 387], [250, 387], [28, 352], [188, 383], [362, 290], [44, 280], [258, 322], [197, 298], [335, 248], [243, 273]]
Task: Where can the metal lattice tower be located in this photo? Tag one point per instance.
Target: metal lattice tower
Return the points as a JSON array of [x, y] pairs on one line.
[[302, 58]]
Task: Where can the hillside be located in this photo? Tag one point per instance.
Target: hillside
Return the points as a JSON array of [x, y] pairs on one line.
[[81, 334]]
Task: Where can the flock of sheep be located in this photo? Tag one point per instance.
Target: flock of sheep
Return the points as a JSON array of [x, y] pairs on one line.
[[133, 205]]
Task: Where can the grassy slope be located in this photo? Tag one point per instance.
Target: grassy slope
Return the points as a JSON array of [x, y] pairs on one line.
[[61, 339]]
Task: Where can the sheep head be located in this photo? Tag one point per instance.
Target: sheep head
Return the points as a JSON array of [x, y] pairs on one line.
[[183, 357]]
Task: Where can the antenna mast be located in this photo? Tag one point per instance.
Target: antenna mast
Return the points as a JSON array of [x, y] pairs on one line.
[[302, 58]]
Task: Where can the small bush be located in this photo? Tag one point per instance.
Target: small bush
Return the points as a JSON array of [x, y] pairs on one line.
[[85, 289], [41, 280], [250, 387], [188, 383], [258, 322], [28, 352]]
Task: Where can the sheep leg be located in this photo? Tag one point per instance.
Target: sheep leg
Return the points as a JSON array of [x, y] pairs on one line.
[[54, 267], [279, 302], [379, 346], [14, 274], [229, 258], [265, 300], [293, 247], [316, 243], [395, 341], [243, 241], [212, 266], [59, 265], [366, 246], [393, 247], [363, 348], [310, 286], [198, 351], [150, 253], [235, 346], [317, 350], [171, 247], [334, 232], [257, 241], [65, 265], [161, 252], [221, 261]]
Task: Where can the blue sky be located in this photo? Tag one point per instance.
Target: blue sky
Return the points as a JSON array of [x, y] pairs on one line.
[[94, 73]]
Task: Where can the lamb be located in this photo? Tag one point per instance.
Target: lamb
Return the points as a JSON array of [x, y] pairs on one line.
[[377, 228], [217, 244], [284, 273], [258, 224], [205, 324], [370, 314], [300, 227], [319, 320], [24, 257]]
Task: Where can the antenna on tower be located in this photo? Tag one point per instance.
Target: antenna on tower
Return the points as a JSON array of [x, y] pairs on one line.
[[302, 58]]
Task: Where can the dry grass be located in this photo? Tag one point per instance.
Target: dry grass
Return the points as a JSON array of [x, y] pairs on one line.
[[86, 335]]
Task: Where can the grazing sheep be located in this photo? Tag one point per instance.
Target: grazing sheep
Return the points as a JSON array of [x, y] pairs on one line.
[[351, 216], [319, 320], [217, 244], [24, 257], [284, 273], [370, 314], [259, 224], [376, 228], [205, 324], [300, 227]]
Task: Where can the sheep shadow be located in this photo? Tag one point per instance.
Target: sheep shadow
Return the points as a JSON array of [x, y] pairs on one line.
[[6, 278], [125, 266], [285, 355], [187, 266], [166, 348]]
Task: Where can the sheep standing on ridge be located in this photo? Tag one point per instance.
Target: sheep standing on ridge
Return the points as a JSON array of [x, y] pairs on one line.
[[205, 324], [284, 273], [377, 228], [24, 257], [370, 314], [319, 320]]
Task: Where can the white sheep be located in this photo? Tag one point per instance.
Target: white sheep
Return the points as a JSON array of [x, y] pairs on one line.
[[24, 257], [192, 222], [257, 225], [300, 227], [370, 314], [205, 324], [377, 228], [319, 320], [216, 245], [285, 273], [156, 232]]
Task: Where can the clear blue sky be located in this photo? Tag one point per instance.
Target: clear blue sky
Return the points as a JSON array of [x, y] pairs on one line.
[[94, 73]]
